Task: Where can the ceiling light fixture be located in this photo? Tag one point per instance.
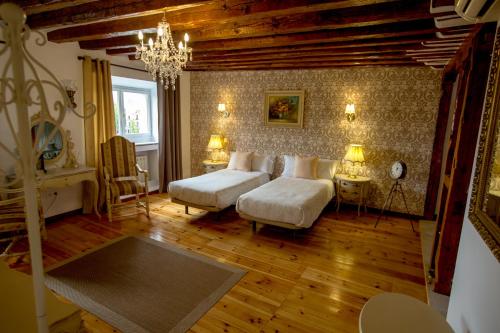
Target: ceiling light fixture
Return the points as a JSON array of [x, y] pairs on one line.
[[162, 59]]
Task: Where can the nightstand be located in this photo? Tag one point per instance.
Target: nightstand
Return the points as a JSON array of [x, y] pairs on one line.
[[211, 166], [352, 190]]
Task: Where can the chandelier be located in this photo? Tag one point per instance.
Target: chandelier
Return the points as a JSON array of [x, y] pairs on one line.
[[161, 58]]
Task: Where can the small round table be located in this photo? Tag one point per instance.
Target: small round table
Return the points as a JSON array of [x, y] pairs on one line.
[[396, 313]]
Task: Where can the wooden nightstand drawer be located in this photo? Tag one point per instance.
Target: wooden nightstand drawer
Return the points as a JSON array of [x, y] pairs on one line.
[[352, 190], [349, 185], [209, 166]]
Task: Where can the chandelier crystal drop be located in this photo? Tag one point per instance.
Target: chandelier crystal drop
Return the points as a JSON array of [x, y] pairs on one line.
[[162, 59]]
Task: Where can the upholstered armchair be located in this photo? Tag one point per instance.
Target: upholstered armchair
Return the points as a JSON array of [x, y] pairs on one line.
[[120, 171]]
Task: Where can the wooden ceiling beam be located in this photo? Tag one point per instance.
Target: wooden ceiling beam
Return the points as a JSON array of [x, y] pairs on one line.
[[217, 12], [305, 59], [305, 66], [321, 20], [398, 30], [105, 10], [360, 47], [379, 43], [403, 29], [35, 7], [308, 60]]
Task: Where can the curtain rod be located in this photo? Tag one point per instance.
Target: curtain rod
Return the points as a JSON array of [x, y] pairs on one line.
[[116, 65]]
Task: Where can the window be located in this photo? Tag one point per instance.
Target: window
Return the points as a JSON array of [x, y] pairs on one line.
[[133, 113]]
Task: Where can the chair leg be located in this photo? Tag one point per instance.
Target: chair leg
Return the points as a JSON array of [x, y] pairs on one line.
[[108, 204], [254, 226], [147, 203], [186, 210]]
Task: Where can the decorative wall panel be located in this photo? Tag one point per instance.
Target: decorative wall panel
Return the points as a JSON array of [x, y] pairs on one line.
[[396, 111]]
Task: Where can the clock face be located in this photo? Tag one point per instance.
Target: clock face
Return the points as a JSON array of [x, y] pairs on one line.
[[398, 170]]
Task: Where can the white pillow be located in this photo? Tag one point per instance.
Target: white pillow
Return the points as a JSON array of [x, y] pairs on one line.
[[232, 160], [289, 166], [263, 163], [240, 161], [305, 167], [327, 168]]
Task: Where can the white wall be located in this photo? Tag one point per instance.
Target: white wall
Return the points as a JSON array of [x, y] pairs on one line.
[[475, 297]]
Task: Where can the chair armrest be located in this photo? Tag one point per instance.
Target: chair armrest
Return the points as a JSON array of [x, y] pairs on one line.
[[139, 170]]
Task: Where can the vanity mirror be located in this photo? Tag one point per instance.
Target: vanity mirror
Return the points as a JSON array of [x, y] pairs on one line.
[[484, 210], [52, 148], [52, 143]]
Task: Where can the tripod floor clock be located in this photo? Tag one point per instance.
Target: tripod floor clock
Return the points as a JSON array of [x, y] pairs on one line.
[[397, 172]]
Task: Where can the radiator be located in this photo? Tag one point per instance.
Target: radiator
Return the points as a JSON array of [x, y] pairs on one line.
[[142, 160]]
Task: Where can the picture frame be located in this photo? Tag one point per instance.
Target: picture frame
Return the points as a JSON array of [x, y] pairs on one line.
[[485, 188], [284, 108]]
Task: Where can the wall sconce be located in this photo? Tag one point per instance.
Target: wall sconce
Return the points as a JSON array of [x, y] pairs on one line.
[[350, 112], [70, 88], [222, 109]]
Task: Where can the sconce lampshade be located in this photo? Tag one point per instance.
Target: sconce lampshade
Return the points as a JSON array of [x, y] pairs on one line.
[[350, 111], [355, 154], [222, 110], [215, 142]]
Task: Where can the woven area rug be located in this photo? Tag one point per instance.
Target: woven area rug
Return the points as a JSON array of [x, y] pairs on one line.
[[141, 285]]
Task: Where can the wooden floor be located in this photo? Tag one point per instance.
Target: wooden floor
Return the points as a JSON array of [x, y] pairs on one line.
[[317, 282]]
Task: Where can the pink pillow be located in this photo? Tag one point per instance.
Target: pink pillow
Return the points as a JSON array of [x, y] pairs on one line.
[[241, 161], [305, 167]]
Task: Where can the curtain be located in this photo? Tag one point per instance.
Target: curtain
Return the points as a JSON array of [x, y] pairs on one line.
[[169, 132], [97, 90]]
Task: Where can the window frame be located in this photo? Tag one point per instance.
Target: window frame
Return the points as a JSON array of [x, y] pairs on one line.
[[137, 138]]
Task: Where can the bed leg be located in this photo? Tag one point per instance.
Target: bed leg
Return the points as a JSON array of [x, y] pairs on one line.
[[186, 210], [294, 234], [254, 226]]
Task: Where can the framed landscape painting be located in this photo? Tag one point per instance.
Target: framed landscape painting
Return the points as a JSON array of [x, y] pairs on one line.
[[284, 108]]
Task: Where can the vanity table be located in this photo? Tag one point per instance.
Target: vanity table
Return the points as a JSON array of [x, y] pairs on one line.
[[52, 142], [62, 177]]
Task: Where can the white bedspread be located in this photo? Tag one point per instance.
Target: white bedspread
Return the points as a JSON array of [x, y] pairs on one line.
[[218, 189], [288, 200]]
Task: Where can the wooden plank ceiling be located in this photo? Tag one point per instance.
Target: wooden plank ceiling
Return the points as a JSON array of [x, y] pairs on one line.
[[264, 34]]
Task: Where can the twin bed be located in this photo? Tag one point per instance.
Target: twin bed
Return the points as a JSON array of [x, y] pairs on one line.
[[287, 201]]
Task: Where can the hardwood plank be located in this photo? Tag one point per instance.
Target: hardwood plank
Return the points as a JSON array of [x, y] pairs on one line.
[[316, 282], [220, 12]]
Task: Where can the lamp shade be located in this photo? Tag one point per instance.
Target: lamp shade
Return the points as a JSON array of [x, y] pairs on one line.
[[215, 142], [355, 154]]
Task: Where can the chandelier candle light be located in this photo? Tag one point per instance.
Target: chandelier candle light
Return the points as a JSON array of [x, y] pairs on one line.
[[161, 58]]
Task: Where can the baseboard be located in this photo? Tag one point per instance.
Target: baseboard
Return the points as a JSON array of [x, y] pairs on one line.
[[377, 211]]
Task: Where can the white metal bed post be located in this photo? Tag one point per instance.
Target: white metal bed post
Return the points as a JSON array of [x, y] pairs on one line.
[[15, 19]]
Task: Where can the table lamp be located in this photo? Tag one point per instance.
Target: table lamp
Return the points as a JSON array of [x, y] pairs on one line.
[[215, 144], [356, 157]]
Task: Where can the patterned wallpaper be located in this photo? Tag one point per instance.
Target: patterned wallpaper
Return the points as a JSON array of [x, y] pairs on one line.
[[396, 109]]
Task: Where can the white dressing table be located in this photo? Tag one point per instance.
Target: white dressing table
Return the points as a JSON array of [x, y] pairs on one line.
[[62, 177]]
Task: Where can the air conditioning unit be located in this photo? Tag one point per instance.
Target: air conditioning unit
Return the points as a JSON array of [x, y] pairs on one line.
[[478, 11]]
